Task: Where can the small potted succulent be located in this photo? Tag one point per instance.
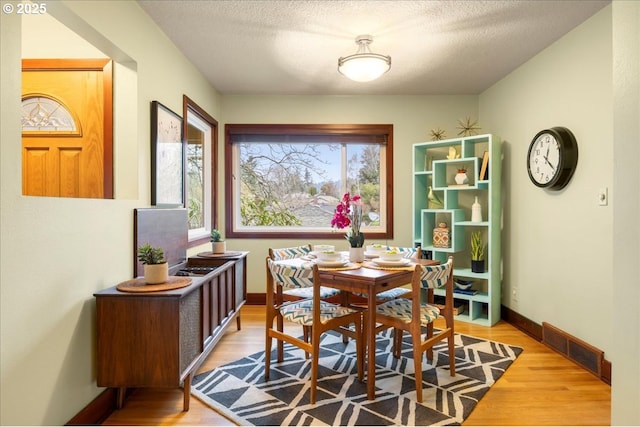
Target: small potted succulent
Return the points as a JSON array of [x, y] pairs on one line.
[[218, 245], [156, 268], [477, 252]]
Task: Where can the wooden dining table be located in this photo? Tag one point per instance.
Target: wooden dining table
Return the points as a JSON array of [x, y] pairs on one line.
[[369, 281]]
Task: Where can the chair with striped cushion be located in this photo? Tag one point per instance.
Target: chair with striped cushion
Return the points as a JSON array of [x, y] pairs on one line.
[[319, 315], [409, 314], [294, 294]]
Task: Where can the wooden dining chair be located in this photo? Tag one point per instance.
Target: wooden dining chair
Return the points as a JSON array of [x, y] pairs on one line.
[[410, 314], [321, 316], [295, 294]]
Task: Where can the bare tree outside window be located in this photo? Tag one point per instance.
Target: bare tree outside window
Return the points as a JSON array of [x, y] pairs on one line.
[[291, 183]]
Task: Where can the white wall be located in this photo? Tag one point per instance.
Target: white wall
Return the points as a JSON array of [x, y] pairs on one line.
[[57, 252], [558, 245], [412, 117], [574, 263], [625, 356]]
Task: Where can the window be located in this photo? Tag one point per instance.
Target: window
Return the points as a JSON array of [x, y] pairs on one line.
[[201, 141], [286, 180]]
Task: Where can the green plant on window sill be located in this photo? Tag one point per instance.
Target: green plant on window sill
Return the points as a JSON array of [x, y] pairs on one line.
[[149, 255]]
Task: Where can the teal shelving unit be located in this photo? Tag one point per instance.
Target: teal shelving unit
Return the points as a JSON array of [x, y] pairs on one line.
[[434, 170]]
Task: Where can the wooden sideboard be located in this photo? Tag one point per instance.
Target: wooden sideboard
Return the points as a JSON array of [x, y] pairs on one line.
[[159, 339]]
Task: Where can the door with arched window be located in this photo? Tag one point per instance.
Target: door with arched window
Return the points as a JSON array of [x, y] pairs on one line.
[[67, 128]]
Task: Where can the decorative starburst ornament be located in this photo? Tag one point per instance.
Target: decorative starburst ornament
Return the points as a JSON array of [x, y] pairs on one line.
[[468, 127], [437, 134]]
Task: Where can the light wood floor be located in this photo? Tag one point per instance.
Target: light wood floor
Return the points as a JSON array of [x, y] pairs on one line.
[[540, 388]]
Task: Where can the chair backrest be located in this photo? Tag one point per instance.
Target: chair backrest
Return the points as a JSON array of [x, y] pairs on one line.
[[292, 276], [407, 252], [277, 254], [436, 276]]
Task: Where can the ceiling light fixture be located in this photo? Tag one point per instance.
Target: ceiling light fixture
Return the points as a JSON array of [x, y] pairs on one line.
[[364, 65]]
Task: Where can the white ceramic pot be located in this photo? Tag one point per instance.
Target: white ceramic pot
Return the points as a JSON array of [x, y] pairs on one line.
[[155, 274], [461, 177], [356, 254], [219, 247]]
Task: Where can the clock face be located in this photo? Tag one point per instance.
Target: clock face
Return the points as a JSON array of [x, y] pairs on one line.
[[552, 158], [544, 159]]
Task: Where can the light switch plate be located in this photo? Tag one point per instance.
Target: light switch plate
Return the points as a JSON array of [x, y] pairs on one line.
[[603, 197]]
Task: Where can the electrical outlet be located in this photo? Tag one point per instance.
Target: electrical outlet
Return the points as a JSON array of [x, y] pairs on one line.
[[514, 294], [603, 197]]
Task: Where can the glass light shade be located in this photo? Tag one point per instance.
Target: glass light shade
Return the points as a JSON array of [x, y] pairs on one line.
[[364, 67]]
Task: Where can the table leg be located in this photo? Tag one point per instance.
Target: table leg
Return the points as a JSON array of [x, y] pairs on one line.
[[371, 346]]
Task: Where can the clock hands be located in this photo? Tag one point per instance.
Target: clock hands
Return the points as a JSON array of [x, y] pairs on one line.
[[548, 162]]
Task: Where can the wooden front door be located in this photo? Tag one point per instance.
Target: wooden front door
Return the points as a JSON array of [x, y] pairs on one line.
[[67, 128]]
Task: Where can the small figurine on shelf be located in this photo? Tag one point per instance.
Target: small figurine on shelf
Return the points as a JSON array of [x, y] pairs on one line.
[[453, 153], [434, 200]]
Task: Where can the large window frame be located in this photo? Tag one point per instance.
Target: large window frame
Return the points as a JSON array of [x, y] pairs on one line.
[[194, 115], [234, 134]]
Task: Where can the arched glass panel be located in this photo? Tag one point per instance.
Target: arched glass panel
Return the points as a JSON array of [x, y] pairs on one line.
[[40, 113]]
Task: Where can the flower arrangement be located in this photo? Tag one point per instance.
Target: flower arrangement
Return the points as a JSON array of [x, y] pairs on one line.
[[348, 213]]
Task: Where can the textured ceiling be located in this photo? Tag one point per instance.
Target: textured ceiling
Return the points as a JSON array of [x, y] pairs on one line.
[[292, 47]]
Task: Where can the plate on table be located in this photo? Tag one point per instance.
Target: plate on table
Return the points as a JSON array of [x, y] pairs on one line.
[[338, 263], [371, 255], [398, 263]]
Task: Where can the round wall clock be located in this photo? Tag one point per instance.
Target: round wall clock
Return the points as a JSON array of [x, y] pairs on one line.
[[552, 158]]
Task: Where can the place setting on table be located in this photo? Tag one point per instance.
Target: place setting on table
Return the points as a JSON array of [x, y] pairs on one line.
[[376, 256]]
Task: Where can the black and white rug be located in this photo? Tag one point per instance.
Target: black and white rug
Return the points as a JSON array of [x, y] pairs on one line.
[[239, 391]]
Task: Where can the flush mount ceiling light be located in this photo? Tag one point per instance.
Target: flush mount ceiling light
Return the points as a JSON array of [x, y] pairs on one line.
[[364, 65]]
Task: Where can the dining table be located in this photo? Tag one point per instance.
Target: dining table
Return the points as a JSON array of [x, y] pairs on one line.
[[368, 278]]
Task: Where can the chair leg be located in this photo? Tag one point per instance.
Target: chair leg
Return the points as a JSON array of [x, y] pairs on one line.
[[428, 335], [397, 342], [360, 343], [417, 365], [280, 343], [314, 365], [267, 355], [452, 356], [306, 336]]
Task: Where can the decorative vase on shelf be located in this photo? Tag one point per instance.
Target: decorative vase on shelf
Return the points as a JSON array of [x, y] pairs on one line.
[[356, 254], [461, 177], [476, 211]]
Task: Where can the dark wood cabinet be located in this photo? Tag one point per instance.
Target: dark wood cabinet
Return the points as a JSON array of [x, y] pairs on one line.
[[159, 339]]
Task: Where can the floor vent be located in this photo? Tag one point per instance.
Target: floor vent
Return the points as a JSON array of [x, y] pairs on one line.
[[583, 354]]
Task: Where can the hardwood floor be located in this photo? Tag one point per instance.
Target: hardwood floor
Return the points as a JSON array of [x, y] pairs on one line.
[[540, 388]]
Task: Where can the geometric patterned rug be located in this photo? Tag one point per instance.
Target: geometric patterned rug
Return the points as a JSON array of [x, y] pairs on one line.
[[239, 391]]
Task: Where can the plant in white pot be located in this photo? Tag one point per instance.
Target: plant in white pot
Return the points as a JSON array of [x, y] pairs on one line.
[[156, 268], [218, 245], [477, 252]]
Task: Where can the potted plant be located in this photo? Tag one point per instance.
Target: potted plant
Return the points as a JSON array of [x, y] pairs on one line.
[[477, 252], [156, 268], [218, 245]]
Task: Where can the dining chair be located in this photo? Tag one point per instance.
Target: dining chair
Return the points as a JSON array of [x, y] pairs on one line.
[[410, 314], [295, 294], [321, 316]]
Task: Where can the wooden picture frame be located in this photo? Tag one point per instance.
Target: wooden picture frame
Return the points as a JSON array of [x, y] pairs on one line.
[[484, 170], [167, 157]]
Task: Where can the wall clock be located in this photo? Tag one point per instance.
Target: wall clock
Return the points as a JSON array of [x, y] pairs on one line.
[[552, 158]]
